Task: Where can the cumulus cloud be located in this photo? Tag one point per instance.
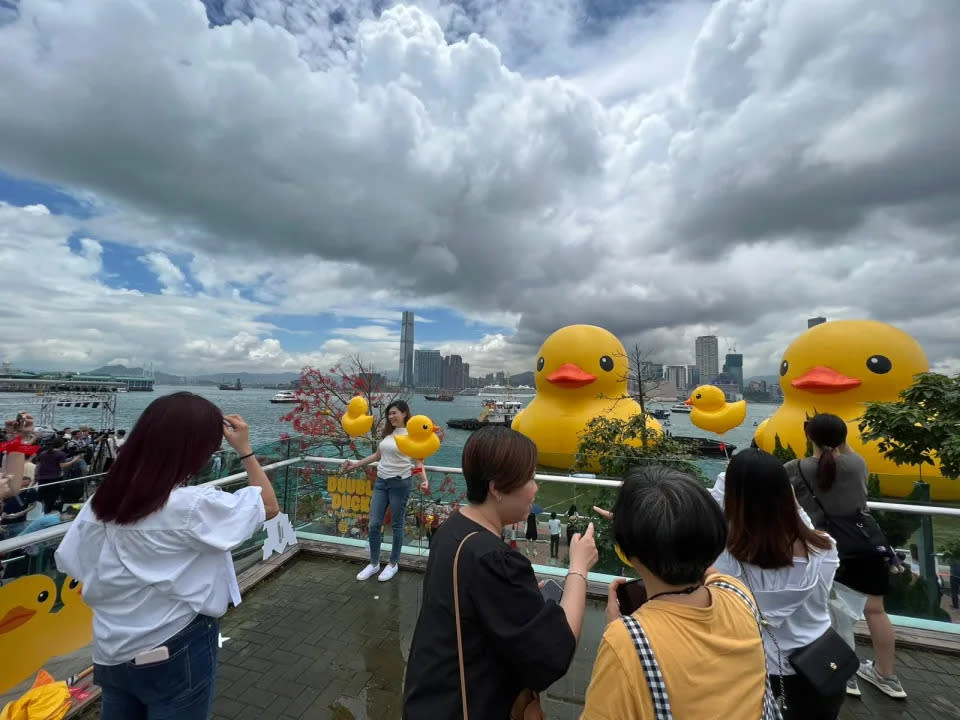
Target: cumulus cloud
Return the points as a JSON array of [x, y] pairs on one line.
[[770, 161]]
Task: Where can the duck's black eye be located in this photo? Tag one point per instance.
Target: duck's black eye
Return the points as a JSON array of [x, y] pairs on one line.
[[425, 427], [784, 366], [74, 583], [699, 396], [540, 363], [606, 363], [879, 364], [42, 597]]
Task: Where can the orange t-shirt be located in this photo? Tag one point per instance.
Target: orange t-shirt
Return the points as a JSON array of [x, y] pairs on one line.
[[711, 659]]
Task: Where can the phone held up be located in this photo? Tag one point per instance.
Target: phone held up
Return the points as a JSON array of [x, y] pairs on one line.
[[631, 595], [552, 591]]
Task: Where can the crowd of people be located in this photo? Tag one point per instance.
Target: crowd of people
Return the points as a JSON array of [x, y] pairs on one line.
[[747, 594]]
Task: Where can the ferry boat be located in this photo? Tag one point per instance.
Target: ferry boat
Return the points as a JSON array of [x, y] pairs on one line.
[[284, 396], [228, 386], [439, 397], [681, 409], [507, 390], [495, 412], [660, 414]]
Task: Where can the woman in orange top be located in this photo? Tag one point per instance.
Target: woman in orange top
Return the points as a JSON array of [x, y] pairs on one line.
[[693, 650]]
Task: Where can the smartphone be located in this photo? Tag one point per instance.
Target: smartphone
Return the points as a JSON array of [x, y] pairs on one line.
[[631, 595], [18, 423], [552, 591], [152, 656]]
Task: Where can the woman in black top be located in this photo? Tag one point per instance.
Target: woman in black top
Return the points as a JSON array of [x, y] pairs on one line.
[[512, 638]]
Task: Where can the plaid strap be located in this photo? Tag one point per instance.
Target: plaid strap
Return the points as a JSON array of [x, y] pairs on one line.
[[651, 669], [771, 711]]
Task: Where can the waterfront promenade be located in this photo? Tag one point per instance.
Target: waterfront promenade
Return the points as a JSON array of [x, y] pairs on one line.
[[310, 643]]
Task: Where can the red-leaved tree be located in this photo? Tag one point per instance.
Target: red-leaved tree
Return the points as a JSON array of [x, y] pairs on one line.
[[322, 401]]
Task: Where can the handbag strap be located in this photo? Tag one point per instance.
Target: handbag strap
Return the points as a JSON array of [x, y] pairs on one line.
[[651, 669], [456, 612], [826, 515], [771, 704]]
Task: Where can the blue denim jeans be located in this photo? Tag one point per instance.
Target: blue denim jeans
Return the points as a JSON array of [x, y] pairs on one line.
[[394, 491], [180, 688]]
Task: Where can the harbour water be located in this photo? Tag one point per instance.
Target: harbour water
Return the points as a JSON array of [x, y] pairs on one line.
[[266, 422]]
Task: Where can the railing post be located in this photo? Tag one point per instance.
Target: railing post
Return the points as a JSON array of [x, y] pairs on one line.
[[926, 553]]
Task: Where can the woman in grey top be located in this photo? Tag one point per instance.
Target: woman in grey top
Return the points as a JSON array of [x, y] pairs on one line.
[[838, 477]]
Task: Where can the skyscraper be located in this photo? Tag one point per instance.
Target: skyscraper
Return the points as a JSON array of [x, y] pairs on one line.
[[428, 368], [733, 366], [406, 350], [708, 358], [677, 377], [815, 321]]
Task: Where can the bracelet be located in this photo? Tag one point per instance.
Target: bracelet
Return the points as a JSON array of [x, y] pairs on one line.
[[244, 457], [574, 572]]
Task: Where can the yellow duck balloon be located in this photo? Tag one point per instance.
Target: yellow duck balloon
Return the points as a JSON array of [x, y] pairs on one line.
[[712, 412], [838, 367], [356, 421], [582, 372], [421, 440]]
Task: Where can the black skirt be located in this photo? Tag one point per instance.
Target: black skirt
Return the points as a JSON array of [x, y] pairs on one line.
[[867, 575], [531, 527]]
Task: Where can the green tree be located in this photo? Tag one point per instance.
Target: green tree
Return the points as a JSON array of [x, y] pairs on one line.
[[922, 428]]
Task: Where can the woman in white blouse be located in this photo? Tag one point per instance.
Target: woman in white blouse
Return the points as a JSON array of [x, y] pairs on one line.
[[789, 567], [153, 555]]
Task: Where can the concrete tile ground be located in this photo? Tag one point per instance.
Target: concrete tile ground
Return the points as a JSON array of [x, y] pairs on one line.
[[310, 643]]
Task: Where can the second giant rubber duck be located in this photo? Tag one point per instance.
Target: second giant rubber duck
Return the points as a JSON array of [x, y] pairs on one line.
[[838, 367], [582, 372]]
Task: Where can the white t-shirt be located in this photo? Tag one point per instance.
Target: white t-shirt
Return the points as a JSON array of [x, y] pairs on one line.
[[554, 525], [393, 463], [147, 581]]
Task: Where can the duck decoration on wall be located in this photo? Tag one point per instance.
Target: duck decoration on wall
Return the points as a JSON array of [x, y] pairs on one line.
[[357, 421], [581, 372], [421, 440], [712, 412], [838, 367]]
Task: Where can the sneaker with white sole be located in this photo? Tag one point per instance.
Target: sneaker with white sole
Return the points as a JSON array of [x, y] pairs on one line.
[[368, 572], [388, 572], [852, 687], [889, 686]]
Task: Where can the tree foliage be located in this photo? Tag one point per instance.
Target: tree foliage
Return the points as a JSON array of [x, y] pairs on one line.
[[322, 400], [922, 428]]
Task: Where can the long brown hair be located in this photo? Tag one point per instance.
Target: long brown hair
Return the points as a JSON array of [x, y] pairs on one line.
[[761, 512], [400, 405], [173, 439]]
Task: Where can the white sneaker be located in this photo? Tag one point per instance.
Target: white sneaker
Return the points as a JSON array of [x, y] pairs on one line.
[[852, 688], [368, 572], [388, 572]]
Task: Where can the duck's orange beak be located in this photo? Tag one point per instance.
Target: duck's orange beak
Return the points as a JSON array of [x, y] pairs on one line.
[[688, 401], [571, 376], [436, 428], [16, 617], [822, 379]]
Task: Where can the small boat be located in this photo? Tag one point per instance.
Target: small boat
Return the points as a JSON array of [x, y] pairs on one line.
[[285, 396], [660, 414], [228, 386], [121, 389], [495, 412], [707, 447], [440, 397], [681, 408]]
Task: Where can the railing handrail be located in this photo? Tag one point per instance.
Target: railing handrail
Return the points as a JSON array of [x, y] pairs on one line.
[[56, 531]]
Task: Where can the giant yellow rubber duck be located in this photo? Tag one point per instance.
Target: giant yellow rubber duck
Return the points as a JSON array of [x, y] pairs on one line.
[[421, 440], [837, 367], [356, 421], [712, 412], [582, 372], [25, 627]]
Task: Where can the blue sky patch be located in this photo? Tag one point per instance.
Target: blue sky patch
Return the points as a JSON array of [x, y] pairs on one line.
[[20, 192]]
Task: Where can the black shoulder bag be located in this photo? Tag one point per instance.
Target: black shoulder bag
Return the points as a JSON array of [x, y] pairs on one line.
[[857, 535]]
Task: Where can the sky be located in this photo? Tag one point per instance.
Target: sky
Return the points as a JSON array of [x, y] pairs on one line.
[[262, 185]]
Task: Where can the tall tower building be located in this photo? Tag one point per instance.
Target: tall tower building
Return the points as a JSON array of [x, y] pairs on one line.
[[428, 368], [815, 321], [677, 377], [406, 350], [733, 366], [708, 358]]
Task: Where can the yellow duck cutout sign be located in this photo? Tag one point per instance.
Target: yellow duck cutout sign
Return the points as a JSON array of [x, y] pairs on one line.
[[582, 372], [74, 620], [45, 700], [27, 625], [421, 440], [712, 412], [838, 367], [357, 421]]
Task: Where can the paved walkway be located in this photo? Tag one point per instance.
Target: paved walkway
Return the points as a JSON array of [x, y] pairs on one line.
[[311, 643]]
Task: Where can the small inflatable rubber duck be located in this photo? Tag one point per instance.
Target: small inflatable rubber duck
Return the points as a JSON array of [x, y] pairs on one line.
[[712, 412], [357, 421], [421, 440], [26, 627], [838, 367], [582, 372]]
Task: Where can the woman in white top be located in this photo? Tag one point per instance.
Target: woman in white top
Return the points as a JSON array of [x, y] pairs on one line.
[[393, 486], [787, 565], [153, 556]]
